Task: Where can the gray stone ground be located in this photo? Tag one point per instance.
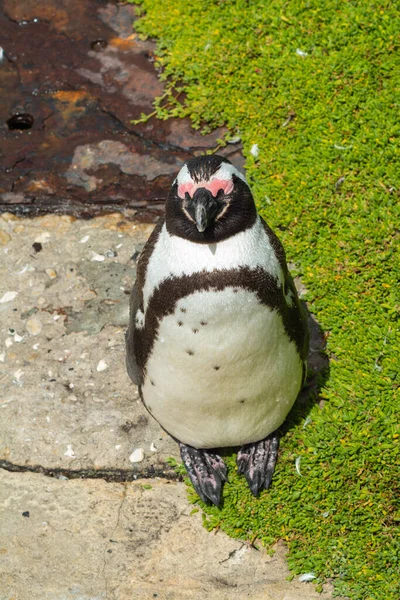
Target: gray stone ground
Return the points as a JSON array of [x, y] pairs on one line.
[[68, 411]]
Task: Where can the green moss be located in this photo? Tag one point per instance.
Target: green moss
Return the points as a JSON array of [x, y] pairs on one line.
[[326, 178]]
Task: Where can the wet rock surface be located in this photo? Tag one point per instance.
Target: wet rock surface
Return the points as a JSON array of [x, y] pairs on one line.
[[63, 540], [72, 78]]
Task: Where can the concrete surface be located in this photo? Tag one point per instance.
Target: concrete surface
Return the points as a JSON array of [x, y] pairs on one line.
[[62, 361], [92, 540]]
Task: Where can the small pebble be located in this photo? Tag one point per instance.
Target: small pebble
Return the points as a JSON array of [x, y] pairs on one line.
[[111, 254], [137, 455], [69, 452], [102, 366], [19, 229], [33, 326], [8, 297], [18, 374], [97, 257], [8, 342], [84, 239], [51, 273], [18, 338], [98, 400], [4, 238], [42, 238], [153, 447], [2, 357]]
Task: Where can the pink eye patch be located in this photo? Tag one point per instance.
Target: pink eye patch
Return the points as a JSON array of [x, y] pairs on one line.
[[214, 185]]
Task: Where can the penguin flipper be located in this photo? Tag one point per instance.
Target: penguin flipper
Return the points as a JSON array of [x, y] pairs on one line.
[[295, 313], [207, 472], [133, 340], [132, 367], [257, 462]]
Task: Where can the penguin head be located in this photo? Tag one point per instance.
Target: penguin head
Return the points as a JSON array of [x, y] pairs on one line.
[[209, 201]]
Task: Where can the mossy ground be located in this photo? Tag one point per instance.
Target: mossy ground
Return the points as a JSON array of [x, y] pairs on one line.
[[314, 85]]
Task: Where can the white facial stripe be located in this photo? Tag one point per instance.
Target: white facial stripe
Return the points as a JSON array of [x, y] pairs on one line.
[[183, 176], [225, 172], [223, 211], [187, 214]]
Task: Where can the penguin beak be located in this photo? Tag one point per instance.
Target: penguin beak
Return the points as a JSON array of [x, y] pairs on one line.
[[204, 208], [201, 217]]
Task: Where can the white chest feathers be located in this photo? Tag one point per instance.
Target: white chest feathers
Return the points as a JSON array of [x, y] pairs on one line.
[[222, 371]]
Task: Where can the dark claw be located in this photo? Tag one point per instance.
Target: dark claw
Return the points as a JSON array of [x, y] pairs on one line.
[[207, 472], [257, 462]]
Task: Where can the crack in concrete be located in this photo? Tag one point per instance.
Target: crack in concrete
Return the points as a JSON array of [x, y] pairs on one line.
[[71, 205], [109, 475], [104, 574]]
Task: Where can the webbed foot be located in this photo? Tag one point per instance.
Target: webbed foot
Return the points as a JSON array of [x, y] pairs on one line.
[[257, 462], [207, 472]]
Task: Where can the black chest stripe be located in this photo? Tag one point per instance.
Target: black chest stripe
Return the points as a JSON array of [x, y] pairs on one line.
[[164, 299]]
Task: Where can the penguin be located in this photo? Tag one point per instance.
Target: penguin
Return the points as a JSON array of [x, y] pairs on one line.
[[217, 338]]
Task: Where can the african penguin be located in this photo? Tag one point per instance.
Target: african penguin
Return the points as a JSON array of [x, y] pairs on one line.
[[217, 338]]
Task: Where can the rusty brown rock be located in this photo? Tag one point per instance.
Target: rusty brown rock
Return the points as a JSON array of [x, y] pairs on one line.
[[73, 77]]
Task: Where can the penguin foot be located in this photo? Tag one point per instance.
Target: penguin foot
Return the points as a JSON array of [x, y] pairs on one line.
[[207, 472], [257, 462]]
